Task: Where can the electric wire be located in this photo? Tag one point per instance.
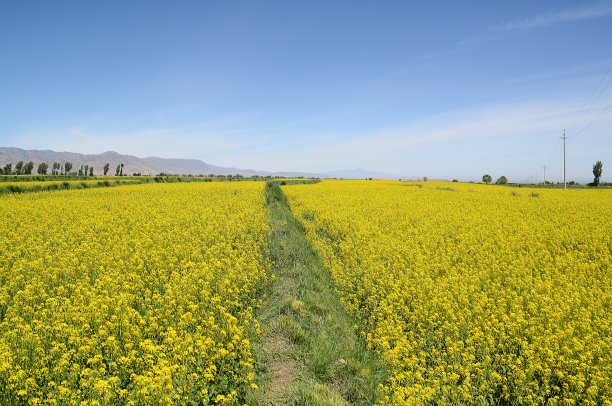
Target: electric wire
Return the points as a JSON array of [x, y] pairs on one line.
[[597, 93], [601, 114], [595, 96]]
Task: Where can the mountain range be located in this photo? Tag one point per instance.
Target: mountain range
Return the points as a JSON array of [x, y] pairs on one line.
[[155, 165]]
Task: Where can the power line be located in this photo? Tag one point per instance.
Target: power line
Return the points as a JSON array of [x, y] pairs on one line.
[[589, 103], [597, 92], [601, 114]]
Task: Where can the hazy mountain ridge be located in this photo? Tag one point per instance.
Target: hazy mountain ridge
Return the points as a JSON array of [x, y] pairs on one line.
[[156, 165], [132, 164], [359, 173]]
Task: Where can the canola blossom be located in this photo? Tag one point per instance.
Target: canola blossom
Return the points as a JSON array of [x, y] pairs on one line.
[[136, 295], [472, 294]]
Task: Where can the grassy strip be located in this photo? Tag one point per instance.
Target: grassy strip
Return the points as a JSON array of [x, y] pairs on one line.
[[45, 178], [308, 352], [27, 186], [9, 189]]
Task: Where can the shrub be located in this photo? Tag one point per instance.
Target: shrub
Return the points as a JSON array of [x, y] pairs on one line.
[[502, 180]]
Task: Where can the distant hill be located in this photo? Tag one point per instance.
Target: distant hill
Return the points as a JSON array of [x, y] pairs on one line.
[[359, 173], [155, 165], [132, 164]]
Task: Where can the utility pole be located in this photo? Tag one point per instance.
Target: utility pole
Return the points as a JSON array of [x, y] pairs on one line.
[[564, 138], [544, 175]]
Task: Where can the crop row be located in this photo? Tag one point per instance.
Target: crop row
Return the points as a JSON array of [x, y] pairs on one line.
[[472, 294], [137, 295]]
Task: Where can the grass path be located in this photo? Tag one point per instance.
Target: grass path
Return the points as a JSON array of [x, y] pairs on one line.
[[308, 352]]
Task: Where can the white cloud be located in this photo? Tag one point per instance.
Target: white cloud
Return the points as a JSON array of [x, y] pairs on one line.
[[498, 121], [496, 31], [508, 137], [556, 17], [171, 142]]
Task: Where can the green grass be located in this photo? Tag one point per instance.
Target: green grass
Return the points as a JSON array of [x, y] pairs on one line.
[[308, 352], [13, 189], [72, 182]]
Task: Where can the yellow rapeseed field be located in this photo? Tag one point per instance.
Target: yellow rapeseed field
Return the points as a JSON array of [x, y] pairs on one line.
[[132, 295], [473, 294]]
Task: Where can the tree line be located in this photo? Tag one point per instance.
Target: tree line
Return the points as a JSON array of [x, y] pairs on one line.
[[597, 170], [57, 168]]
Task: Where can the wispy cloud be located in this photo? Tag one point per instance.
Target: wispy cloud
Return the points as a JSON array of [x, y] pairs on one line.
[[511, 139], [587, 71], [542, 20], [167, 142], [507, 138], [556, 17]]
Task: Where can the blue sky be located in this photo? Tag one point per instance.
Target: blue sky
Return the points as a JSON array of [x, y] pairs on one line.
[[437, 89]]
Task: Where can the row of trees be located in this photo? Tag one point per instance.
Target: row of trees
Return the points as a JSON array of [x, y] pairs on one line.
[[502, 180], [21, 168], [26, 168]]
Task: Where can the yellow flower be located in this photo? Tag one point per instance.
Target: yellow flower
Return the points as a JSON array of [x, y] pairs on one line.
[[113, 287], [471, 291]]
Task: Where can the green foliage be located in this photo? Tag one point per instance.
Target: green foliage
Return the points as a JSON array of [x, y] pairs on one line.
[[502, 180], [27, 168], [42, 168], [487, 179], [597, 169], [106, 168]]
